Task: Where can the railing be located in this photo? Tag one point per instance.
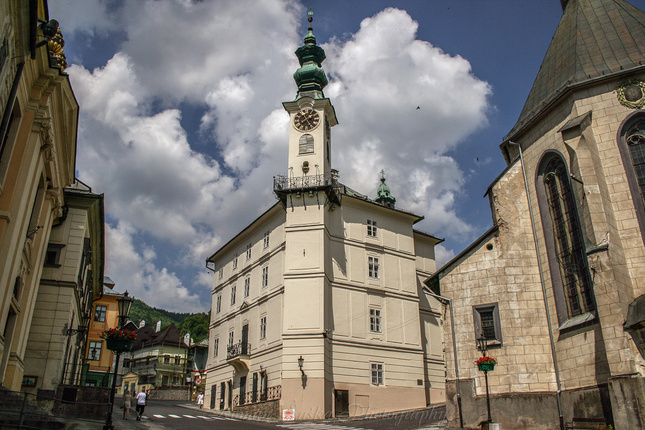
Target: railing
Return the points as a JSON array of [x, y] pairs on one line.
[[281, 182], [272, 393], [238, 349]]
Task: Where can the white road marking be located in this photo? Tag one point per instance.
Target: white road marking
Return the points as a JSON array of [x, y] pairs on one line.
[[174, 416]]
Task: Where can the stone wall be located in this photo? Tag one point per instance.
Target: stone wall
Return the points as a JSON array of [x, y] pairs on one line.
[[270, 409], [182, 394]]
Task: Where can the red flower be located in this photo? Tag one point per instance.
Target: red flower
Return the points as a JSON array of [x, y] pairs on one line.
[[486, 360], [115, 333]]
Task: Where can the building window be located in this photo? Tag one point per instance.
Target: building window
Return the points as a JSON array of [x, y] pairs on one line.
[[631, 145], [218, 306], [233, 293], [377, 373], [215, 347], [166, 360], [564, 240], [487, 323], [265, 276], [231, 336], [235, 262], [52, 257], [99, 313], [247, 287], [177, 359], [372, 229], [221, 272], [375, 320], [263, 327], [265, 240], [94, 351], [248, 251], [372, 267], [306, 144]]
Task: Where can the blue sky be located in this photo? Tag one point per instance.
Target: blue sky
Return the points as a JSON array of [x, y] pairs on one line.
[[181, 123]]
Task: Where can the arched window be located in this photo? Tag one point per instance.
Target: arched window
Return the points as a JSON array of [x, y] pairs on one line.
[[564, 240], [631, 145], [635, 138], [306, 144]]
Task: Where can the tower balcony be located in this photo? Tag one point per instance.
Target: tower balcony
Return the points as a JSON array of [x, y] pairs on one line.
[[237, 355], [286, 187]]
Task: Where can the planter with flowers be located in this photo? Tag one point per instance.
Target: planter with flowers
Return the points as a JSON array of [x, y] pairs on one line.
[[486, 364], [118, 339]]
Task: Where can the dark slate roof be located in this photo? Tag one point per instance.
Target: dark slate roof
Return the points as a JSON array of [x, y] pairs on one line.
[[146, 336], [594, 40]]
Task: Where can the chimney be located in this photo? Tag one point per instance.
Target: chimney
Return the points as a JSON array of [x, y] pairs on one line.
[[158, 326], [142, 323]]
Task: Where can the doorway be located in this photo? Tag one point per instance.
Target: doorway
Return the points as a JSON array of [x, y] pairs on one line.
[[213, 395], [341, 403]]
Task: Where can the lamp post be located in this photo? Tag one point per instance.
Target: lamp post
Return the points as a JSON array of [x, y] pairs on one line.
[[124, 304], [84, 321], [482, 344]]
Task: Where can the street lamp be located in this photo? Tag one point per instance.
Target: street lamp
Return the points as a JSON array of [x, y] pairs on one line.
[[301, 362], [482, 345], [124, 303]]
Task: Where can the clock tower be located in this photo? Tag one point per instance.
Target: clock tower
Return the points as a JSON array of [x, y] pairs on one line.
[[311, 118]]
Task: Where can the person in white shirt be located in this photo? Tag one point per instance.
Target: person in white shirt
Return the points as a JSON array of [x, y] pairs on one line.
[[142, 399], [200, 400]]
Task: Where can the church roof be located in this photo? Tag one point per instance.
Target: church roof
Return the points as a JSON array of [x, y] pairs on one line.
[[595, 39]]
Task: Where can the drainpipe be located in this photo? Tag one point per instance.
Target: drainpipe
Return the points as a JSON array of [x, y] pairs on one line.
[[446, 301], [546, 304]]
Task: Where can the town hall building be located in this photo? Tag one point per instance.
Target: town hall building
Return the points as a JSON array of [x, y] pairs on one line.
[[318, 307]]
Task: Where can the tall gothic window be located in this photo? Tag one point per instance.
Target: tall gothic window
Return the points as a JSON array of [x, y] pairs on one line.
[[635, 138], [631, 145], [565, 245]]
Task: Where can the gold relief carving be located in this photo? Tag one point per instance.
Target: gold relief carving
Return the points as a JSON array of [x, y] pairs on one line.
[[56, 51], [631, 94]]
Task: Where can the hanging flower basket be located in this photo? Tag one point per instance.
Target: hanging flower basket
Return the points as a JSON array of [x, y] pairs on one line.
[[118, 344], [118, 340], [486, 364]]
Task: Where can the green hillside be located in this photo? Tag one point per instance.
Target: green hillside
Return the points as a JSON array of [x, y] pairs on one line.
[[195, 324]]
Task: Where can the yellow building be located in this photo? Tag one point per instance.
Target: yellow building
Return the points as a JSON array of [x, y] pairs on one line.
[[99, 359], [37, 158]]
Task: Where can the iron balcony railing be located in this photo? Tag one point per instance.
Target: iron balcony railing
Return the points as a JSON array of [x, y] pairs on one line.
[[272, 393], [238, 349], [304, 182]]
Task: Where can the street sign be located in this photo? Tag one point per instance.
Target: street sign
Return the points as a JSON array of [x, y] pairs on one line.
[[288, 415]]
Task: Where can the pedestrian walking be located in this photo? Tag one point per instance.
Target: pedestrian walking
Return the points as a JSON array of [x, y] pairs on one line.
[[127, 404], [200, 400], [142, 400]]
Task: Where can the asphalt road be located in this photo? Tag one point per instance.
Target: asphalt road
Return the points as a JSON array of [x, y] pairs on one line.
[[162, 415]]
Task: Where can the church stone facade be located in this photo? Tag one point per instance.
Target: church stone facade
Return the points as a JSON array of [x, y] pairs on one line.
[[318, 306], [549, 286]]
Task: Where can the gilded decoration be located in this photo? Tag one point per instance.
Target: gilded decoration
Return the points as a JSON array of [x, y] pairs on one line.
[[56, 51], [631, 94]]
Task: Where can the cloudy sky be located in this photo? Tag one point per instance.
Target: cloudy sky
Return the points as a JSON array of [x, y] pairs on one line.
[[182, 126]]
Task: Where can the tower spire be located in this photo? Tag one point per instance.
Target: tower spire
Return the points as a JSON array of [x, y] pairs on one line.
[[383, 194], [310, 77]]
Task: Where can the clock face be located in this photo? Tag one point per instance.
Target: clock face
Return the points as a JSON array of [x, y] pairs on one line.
[[306, 119]]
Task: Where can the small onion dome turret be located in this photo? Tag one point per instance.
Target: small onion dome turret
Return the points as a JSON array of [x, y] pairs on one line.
[[383, 194]]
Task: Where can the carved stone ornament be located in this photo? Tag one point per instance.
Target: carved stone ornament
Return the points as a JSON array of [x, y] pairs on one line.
[[56, 197], [631, 94], [47, 139]]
